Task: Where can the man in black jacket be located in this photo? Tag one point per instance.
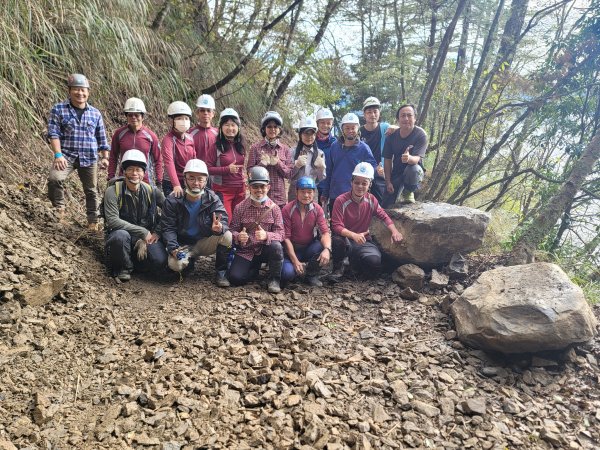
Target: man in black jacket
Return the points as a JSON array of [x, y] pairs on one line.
[[132, 220], [197, 220]]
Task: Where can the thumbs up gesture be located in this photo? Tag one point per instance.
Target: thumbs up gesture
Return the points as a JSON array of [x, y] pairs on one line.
[[217, 226], [260, 234], [243, 237], [406, 155]]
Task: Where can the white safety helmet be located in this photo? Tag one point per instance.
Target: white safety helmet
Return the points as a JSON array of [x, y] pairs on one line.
[[370, 102], [133, 157], [308, 123], [271, 115], [78, 80], [134, 105], [229, 112], [197, 166], [324, 113], [179, 108], [365, 170], [350, 118], [205, 101]]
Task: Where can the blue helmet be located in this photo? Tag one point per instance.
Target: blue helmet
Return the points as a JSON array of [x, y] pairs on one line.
[[306, 183]]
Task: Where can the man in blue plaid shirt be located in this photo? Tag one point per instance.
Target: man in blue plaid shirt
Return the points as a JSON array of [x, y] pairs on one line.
[[78, 139]]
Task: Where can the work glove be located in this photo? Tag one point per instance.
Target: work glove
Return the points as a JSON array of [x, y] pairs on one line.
[[320, 162], [141, 249], [264, 159], [301, 161], [274, 160]]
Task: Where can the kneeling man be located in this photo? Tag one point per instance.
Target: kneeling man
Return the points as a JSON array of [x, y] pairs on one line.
[[132, 219], [198, 221], [350, 220]]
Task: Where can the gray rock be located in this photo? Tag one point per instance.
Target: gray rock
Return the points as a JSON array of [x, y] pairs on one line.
[[409, 276], [458, 268], [433, 232], [526, 308], [42, 294], [438, 280], [425, 408], [474, 406]]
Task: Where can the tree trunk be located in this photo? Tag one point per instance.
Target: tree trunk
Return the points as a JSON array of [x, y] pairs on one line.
[[438, 65], [546, 218], [330, 9], [244, 61], [461, 54], [161, 15], [400, 49]]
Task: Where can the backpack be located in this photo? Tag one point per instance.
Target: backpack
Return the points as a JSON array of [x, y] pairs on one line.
[[120, 186]]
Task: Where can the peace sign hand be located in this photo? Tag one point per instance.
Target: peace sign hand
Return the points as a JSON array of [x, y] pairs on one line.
[[217, 226]]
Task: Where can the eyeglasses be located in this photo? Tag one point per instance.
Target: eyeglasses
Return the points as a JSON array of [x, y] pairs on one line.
[[134, 115], [258, 187], [406, 116], [192, 179]]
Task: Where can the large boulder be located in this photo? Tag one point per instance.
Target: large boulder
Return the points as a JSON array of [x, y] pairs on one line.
[[433, 232], [526, 308]]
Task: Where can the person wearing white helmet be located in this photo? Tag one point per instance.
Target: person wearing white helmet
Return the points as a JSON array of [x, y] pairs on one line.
[[131, 215], [203, 133], [374, 133], [177, 148], [274, 155], [309, 161], [403, 157], [136, 135], [325, 137], [77, 137], [257, 228], [225, 161], [343, 156], [350, 220], [197, 222]]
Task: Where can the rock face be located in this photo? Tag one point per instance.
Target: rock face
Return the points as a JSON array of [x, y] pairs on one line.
[[527, 308], [433, 232]]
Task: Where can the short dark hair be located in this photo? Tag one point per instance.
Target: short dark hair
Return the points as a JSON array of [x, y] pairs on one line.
[[414, 108]]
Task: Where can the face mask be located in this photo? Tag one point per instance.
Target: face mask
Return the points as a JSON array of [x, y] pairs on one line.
[[182, 125], [259, 200], [194, 192]]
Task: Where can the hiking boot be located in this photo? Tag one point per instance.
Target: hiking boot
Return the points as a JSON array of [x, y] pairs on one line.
[[274, 287], [338, 272], [221, 280], [124, 275], [314, 281], [408, 197], [93, 227]]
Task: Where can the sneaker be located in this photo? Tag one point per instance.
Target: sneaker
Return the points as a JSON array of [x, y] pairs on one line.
[[124, 275], [274, 287], [93, 227], [314, 281], [408, 197], [221, 280]]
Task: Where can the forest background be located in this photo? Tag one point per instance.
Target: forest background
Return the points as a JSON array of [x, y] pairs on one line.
[[508, 91]]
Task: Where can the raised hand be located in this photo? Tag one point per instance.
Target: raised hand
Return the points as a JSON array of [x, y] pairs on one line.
[[217, 226], [406, 154], [243, 237], [260, 234]]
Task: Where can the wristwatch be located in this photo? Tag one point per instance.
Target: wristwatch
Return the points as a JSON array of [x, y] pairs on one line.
[[327, 248]]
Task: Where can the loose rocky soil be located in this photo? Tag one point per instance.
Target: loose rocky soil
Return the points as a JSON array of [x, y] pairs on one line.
[[172, 363]]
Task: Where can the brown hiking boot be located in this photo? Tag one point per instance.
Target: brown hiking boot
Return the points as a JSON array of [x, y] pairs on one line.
[[93, 227]]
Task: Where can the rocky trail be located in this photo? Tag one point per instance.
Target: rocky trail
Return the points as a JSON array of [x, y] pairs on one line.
[[180, 364]]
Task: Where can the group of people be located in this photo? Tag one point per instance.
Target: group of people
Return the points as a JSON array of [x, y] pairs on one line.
[[201, 191]]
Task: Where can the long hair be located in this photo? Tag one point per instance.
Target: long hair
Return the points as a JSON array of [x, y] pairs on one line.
[[238, 141], [300, 146]]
